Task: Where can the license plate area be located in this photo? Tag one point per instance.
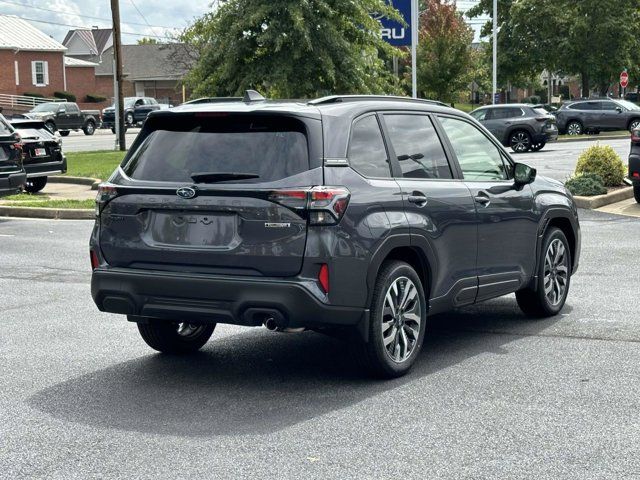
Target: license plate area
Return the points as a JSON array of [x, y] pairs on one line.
[[184, 230], [39, 152]]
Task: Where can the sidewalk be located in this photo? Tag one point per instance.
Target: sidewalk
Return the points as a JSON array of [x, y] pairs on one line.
[[627, 207], [64, 191]]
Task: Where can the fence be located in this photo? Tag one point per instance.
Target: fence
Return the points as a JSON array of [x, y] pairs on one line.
[[18, 103]]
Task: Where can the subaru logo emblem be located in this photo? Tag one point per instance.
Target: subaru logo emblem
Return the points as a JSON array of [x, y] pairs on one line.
[[186, 192]]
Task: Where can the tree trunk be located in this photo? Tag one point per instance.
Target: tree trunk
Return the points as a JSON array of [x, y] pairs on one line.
[[604, 89], [585, 84]]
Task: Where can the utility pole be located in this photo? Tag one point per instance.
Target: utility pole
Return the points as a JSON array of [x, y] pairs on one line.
[[495, 50], [117, 50], [414, 47]]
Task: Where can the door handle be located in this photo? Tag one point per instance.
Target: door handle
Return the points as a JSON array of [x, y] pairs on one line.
[[483, 199], [418, 198]]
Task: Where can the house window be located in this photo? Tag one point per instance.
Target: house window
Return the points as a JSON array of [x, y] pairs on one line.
[[40, 73]]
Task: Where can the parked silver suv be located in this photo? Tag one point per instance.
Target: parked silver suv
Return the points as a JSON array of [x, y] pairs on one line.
[[522, 127]]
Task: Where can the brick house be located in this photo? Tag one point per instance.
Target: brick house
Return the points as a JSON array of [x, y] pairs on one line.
[[30, 61]]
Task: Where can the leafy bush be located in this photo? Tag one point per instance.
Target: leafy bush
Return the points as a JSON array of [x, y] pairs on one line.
[[69, 97], [586, 185], [534, 99], [604, 161], [95, 98], [33, 94]]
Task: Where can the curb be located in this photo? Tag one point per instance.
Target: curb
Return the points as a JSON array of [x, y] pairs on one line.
[[94, 182], [598, 201], [592, 138], [50, 213]]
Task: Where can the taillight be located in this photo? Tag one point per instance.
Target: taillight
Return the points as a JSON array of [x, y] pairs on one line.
[[106, 193], [542, 119], [325, 205], [323, 277], [635, 175], [95, 263]]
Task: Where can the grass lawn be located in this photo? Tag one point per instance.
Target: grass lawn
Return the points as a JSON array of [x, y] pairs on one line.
[[466, 107], [42, 201], [100, 164]]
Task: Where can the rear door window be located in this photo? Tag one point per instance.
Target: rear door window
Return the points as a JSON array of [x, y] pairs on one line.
[[416, 143], [272, 148], [367, 151]]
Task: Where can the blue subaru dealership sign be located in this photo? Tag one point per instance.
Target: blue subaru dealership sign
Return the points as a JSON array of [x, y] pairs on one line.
[[394, 32]]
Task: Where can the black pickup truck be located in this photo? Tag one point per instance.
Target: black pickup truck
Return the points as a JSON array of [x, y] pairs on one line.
[[65, 116], [634, 163]]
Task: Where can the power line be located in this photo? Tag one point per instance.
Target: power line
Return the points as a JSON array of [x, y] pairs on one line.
[[85, 28], [143, 17], [80, 15]]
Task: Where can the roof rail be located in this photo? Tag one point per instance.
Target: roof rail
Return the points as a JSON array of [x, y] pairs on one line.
[[371, 98]]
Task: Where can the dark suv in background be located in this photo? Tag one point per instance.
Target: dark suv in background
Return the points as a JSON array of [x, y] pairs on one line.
[[345, 214], [522, 127], [596, 115], [12, 174]]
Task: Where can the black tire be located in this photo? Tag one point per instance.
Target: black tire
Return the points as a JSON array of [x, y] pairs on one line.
[[574, 127], [128, 119], [375, 355], [636, 192], [51, 126], [34, 185], [89, 128], [536, 147], [164, 336], [536, 302], [520, 141], [64, 133]]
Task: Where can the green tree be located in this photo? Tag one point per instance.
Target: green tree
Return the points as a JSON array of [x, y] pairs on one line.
[[445, 55], [291, 48], [147, 41]]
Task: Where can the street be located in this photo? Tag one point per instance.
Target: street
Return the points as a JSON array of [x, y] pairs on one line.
[[493, 395], [102, 139]]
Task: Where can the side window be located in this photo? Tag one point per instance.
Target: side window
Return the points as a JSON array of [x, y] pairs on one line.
[[479, 158], [480, 115], [367, 152], [418, 147], [71, 108], [608, 106]]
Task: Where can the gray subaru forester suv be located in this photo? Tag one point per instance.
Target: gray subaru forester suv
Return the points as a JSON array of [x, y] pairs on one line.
[[347, 214]]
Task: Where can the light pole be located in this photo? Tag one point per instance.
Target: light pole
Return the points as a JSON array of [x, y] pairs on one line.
[[495, 50], [414, 45]]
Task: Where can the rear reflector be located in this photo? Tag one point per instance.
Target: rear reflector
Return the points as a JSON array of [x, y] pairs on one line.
[[95, 263], [323, 277], [635, 174]]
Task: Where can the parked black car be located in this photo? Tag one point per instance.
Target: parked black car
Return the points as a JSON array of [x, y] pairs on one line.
[[136, 110], [12, 175], [65, 116], [522, 127], [42, 153], [596, 115], [360, 214], [634, 163]]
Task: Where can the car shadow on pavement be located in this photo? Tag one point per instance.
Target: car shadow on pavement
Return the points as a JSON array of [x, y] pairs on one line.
[[260, 382]]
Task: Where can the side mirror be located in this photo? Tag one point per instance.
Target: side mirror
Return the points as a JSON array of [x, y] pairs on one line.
[[524, 174], [619, 109], [62, 111]]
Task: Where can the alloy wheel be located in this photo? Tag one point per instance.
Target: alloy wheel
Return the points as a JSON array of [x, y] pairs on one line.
[[574, 128], [520, 142], [556, 272], [401, 319], [634, 125]]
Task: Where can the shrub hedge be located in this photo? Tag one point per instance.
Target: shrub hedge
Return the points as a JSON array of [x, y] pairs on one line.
[[603, 161]]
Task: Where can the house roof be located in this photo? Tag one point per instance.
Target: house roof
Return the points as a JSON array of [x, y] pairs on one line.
[[18, 34], [76, 62], [149, 62], [96, 38]]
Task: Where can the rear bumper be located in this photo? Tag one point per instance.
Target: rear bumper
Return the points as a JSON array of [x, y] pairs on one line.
[[218, 299], [546, 137], [10, 183], [634, 168], [45, 169]]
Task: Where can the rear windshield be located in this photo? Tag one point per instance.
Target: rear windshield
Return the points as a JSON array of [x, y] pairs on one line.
[[29, 133], [4, 128], [271, 148]]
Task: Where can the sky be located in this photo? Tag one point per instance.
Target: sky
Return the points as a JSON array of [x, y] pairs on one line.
[[166, 17]]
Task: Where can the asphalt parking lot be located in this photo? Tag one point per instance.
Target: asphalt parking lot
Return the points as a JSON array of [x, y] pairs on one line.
[[494, 394]]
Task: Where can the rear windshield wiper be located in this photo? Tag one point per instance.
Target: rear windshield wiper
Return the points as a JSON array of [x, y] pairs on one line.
[[213, 177]]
